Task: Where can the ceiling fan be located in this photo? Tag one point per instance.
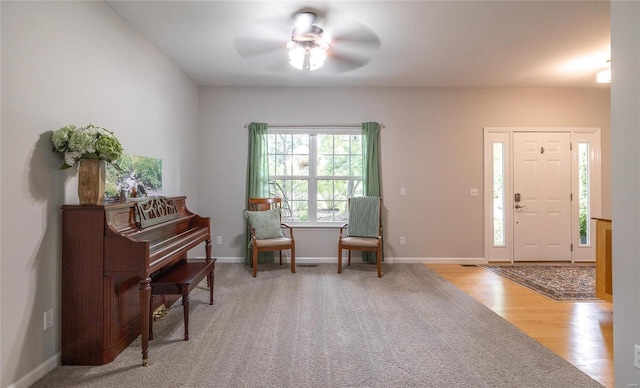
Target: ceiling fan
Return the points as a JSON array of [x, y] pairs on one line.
[[308, 40]]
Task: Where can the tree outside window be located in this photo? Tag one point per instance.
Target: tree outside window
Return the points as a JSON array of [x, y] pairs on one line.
[[315, 173]]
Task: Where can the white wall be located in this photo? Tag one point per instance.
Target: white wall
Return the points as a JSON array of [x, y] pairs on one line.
[[625, 160], [72, 63], [432, 146]]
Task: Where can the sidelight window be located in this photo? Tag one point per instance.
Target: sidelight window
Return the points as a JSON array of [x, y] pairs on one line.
[[498, 195], [583, 193]]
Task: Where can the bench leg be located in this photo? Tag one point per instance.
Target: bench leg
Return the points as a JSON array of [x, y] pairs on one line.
[[210, 282], [185, 311], [207, 251]]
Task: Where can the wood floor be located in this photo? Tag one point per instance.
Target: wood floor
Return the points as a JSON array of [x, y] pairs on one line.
[[581, 333]]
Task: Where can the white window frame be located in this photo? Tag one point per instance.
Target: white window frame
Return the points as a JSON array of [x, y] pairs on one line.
[[313, 178]]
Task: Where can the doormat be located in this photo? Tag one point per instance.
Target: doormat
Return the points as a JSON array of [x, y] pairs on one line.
[[558, 282]]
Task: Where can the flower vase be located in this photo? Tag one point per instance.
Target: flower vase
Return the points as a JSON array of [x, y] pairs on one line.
[[91, 178]]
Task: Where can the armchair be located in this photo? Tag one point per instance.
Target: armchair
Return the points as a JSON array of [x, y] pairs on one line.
[[265, 228], [363, 231]]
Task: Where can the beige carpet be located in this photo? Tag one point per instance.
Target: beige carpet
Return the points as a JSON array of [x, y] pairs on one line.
[[316, 328]]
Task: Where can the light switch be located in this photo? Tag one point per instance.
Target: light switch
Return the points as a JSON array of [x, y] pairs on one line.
[[402, 191]]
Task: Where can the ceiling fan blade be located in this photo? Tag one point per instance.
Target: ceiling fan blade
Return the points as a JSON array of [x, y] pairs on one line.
[[352, 30], [264, 35], [251, 47], [339, 63], [359, 43]]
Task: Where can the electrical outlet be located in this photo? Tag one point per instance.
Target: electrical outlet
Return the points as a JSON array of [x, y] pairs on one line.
[[48, 319], [636, 356], [473, 192], [402, 241], [219, 240]]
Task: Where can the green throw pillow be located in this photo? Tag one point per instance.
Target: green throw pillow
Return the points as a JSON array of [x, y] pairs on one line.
[[266, 223]]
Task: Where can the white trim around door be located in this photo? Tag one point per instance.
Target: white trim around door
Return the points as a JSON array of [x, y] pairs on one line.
[[499, 195]]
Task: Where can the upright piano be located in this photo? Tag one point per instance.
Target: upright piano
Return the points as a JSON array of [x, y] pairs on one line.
[[110, 253]]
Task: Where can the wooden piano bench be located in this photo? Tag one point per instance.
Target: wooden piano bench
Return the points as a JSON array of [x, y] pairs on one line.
[[180, 279]]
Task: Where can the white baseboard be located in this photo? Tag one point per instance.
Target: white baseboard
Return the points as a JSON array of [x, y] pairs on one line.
[[436, 260], [387, 260], [299, 260], [38, 373], [232, 260]]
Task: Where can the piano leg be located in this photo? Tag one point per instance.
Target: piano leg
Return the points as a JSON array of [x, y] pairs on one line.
[[145, 307], [150, 321]]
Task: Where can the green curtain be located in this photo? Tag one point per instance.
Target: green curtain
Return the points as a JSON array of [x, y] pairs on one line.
[[257, 177], [371, 136], [371, 173]]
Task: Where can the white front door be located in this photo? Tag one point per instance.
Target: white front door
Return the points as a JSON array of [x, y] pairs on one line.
[[542, 196]]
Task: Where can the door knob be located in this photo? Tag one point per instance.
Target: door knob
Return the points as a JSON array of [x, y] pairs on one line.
[[518, 206]]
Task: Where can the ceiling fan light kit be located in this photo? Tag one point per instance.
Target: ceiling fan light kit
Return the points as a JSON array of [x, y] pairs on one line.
[[307, 48], [307, 59]]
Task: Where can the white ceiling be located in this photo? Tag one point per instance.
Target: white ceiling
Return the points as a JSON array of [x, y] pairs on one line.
[[422, 43]]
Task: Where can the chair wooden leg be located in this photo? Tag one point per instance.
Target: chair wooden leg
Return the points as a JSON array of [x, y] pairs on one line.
[[349, 260], [280, 257], [379, 259], [255, 261], [339, 258], [293, 259]]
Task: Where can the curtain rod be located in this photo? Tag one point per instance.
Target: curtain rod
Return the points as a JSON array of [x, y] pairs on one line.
[[314, 125]]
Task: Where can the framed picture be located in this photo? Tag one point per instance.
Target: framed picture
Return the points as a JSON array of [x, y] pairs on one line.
[[138, 177]]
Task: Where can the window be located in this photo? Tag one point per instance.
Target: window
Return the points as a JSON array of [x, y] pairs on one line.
[[315, 173], [498, 194], [583, 193]]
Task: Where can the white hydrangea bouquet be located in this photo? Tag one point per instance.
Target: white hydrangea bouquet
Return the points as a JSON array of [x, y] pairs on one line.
[[88, 142]]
